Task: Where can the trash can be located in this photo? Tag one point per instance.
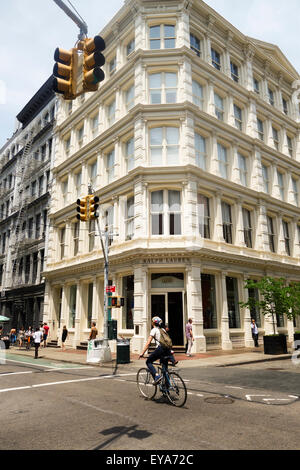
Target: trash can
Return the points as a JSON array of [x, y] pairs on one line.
[[95, 351], [123, 351], [6, 342]]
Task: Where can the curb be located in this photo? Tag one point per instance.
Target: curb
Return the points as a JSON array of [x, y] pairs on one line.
[[269, 359]]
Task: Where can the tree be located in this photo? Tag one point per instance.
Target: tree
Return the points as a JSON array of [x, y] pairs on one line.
[[276, 298]]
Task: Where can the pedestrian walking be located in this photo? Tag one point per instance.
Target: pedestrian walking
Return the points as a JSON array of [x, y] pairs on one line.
[[189, 336], [21, 336], [13, 336], [94, 332], [28, 337], [254, 332], [45, 333], [37, 338], [64, 337]]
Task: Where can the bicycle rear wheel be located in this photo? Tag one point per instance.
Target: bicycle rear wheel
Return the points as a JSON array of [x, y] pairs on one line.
[[176, 392], [145, 383]]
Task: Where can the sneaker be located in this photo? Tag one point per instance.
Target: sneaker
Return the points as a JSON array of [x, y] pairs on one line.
[[176, 362], [157, 379]]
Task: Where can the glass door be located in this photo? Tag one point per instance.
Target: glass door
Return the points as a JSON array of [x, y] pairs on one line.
[[175, 318], [169, 307], [158, 306]]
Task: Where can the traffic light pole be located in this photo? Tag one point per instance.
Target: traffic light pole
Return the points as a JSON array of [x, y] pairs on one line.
[[107, 352], [105, 249]]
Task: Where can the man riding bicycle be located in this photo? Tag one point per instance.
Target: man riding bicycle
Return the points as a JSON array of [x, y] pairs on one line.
[[159, 352]]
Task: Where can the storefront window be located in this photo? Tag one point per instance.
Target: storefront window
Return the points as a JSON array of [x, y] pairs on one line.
[[72, 307], [128, 294], [208, 288], [161, 280], [254, 311], [90, 305], [233, 302]]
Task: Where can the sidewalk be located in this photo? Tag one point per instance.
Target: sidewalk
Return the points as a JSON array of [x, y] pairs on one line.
[[217, 358]]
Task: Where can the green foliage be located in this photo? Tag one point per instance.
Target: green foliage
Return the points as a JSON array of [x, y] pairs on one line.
[[276, 298]]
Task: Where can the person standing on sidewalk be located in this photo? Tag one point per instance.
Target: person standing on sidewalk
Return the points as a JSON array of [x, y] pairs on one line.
[[64, 337], [189, 336], [94, 332], [46, 333], [37, 338], [254, 332]]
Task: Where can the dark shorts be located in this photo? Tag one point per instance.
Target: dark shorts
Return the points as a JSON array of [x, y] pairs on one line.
[[45, 337]]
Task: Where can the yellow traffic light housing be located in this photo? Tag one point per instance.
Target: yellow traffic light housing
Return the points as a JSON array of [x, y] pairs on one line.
[[65, 73], [82, 209], [93, 59], [93, 207]]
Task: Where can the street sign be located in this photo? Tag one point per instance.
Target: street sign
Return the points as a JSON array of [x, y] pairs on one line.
[[111, 289]]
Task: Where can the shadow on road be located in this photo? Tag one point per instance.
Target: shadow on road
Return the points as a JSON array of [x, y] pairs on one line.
[[119, 431]]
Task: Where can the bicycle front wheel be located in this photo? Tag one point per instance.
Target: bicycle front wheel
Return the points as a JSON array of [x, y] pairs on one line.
[[145, 384], [176, 391]]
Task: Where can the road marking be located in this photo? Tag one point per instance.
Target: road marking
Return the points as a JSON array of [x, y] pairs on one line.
[[276, 399], [53, 367], [231, 386], [16, 373], [249, 397], [63, 382]]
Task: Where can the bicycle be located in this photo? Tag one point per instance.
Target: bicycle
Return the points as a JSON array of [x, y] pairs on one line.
[[171, 385]]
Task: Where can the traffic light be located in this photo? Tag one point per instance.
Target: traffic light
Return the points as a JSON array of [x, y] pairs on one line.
[[93, 59], [65, 73], [82, 209], [93, 206], [117, 302]]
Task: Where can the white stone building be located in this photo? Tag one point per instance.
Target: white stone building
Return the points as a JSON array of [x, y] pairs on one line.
[[192, 144]]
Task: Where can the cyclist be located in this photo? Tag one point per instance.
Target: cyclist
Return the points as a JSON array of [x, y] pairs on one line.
[[159, 351]]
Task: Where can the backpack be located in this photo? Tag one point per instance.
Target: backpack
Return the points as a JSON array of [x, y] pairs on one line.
[[165, 340]]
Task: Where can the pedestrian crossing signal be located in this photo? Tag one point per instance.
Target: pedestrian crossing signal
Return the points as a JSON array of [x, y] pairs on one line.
[[117, 301]]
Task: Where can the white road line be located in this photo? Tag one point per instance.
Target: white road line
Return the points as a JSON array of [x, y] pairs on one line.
[[31, 364], [49, 367], [49, 384], [231, 386], [16, 373]]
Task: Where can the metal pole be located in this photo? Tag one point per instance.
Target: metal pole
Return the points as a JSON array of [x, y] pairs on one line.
[[107, 352], [80, 23]]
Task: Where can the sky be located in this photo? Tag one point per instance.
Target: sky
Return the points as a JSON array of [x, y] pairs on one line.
[[32, 29]]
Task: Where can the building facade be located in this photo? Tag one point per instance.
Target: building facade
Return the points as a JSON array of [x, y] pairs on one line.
[[192, 144], [24, 187]]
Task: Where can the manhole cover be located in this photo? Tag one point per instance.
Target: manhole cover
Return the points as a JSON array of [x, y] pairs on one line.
[[219, 400]]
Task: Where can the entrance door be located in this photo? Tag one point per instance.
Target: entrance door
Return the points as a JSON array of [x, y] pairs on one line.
[[175, 318], [169, 308], [158, 307]]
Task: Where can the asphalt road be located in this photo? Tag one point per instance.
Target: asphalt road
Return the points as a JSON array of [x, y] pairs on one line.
[[60, 406]]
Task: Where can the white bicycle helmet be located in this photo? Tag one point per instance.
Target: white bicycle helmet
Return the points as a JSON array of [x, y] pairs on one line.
[[157, 321]]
